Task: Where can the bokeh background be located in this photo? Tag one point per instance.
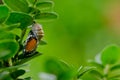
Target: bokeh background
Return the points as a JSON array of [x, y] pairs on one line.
[[83, 29]]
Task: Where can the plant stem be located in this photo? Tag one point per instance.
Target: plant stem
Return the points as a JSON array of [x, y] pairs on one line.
[[22, 35], [106, 71], [20, 42], [9, 62]]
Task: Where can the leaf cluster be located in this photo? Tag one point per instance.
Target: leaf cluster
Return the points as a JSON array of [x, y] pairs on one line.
[[19, 14], [107, 67]]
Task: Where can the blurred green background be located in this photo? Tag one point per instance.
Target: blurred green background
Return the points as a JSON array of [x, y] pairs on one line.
[[83, 29]]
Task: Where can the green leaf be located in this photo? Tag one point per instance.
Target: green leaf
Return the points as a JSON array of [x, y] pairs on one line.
[[46, 16], [17, 73], [43, 42], [44, 5], [24, 19], [5, 76], [17, 5], [13, 67], [23, 59], [96, 74], [115, 67], [58, 68], [98, 65], [4, 12], [8, 48], [53, 66], [110, 54], [83, 71], [6, 35]]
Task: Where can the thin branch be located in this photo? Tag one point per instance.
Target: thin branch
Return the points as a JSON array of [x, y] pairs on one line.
[[20, 42]]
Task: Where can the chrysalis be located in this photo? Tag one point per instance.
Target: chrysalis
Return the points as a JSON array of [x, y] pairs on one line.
[[33, 39], [38, 30]]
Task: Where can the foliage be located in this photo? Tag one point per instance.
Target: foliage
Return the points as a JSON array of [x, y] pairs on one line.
[[19, 14], [64, 71], [108, 67], [105, 67]]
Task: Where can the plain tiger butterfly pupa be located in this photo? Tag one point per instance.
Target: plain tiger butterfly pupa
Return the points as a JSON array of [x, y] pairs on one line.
[[33, 39]]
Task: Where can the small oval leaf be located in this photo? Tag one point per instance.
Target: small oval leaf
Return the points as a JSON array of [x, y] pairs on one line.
[[4, 12], [8, 48], [46, 16], [6, 35], [44, 5], [110, 54], [17, 5], [24, 19], [17, 73]]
